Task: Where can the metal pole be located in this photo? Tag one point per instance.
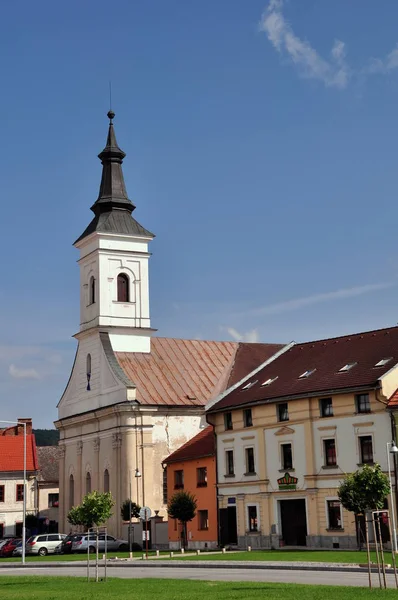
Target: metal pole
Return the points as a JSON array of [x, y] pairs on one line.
[[146, 535], [394, 530], [130, 546], [24, 495]]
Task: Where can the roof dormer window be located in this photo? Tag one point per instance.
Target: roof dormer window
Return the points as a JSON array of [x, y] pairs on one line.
[[307, 373], [269, 381], [383, 362], [249, 385], [347, 367]]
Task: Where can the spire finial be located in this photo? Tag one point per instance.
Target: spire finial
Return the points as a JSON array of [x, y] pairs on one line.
[[111, 115]]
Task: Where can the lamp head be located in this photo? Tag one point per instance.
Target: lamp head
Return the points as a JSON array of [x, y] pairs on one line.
[[138, 474], [393, 449]]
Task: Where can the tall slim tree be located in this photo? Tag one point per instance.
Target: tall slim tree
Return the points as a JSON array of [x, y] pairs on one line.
[[182, 506]]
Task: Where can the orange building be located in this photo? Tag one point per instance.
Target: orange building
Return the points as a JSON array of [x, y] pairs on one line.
[[193, 468]]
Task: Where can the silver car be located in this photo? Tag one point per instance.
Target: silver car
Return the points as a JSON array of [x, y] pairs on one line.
[[43, 544], [83, 542]]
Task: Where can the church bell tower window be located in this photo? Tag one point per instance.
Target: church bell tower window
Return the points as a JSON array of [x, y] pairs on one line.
[[88, 371], [92, 290], [123, 288]]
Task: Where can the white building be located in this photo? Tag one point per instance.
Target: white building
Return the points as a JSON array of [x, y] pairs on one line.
[[132, 398]]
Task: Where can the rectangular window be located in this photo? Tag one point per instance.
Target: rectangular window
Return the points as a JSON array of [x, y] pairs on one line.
[[53, 500], [228, 421], [329, 451], [229, 462], [334, 514], [1, 493], [1, 530], [249, 455], [19, 494], [366, 449], [18, 529], [201, 477], [362, 403], [252, 514], [164, 486], [326, 407], [283, 412], [247, 417], [286, 457], [203, 519], [179, 480]]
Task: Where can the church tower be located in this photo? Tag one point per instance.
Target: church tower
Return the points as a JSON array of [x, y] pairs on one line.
[[114, 285]]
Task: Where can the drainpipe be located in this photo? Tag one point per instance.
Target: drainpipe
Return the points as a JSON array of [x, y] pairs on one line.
[[394, 456]]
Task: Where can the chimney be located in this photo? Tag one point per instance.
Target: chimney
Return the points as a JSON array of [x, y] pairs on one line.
[[28, 426]]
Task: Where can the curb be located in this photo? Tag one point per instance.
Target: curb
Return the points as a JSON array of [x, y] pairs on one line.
[[194, 565]]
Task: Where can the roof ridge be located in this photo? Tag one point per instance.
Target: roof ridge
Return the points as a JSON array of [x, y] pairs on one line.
[[348, 335]]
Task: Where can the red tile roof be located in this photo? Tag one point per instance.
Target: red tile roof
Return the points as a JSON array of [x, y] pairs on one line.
[[11, 453], [190, 372], [203, 444], [325, 358], [393, 401]]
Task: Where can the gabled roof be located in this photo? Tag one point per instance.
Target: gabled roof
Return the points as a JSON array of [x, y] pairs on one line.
[[11, 453], [322, 362], [203, 444], [189, 372], [48, 457]]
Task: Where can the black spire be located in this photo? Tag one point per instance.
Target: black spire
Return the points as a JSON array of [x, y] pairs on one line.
[[112, 193], [113, 208]]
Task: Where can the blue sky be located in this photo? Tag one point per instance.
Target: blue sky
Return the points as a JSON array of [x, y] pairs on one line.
[[262, 149]]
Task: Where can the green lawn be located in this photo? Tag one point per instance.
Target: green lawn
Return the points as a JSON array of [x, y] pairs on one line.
[[327, 556], [65, 588]]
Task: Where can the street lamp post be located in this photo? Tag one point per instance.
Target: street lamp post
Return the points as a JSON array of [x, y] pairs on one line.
[[392, 449], [137, 474], [24, 485]]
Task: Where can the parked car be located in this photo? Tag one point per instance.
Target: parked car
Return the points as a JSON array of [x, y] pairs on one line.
[[8, 548], [66, 544], [81, 543], [44, 544], [18, 549]]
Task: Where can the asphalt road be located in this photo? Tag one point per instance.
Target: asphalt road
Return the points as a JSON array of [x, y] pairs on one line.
[[259, 575]]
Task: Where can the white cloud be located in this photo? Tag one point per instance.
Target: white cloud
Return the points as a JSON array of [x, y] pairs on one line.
[[297, 303], [20, 373], [249, 336], [333, 73]]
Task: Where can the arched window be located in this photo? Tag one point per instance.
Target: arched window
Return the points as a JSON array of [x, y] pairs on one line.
[[92, 290], [88, 483], [123, 292], [88, 371], [106, 480], [71, 491]]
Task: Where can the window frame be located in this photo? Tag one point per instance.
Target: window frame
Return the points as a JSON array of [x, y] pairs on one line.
[[91, 290], [107, 481], [123, 294], [322, 407], [206, 520], [201, 481], [2, 493], [165, 486], [228, 422], [369, 438], [54, 503], [256, 527], [279, 413], [250, 458], [329, 526], [358, 408], [88, 482], [282, 456], [247, 417], [179, 475], [228, 463], [19, 490], [327, 455]]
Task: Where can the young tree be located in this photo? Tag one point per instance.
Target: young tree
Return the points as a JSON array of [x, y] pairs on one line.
[[95, 510], [362, 491], [182, 506], [125, 510]]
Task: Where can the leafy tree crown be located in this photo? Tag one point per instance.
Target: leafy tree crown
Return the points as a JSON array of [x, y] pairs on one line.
[[182, 506], [125, 510], [366, 489]]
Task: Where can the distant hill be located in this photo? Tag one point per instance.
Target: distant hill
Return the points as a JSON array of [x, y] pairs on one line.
[[46, 437]]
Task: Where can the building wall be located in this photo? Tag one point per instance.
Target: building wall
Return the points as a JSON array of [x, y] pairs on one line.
[[49, 512], [120, 439], [206, 500], [11, 511], [317, 483]]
